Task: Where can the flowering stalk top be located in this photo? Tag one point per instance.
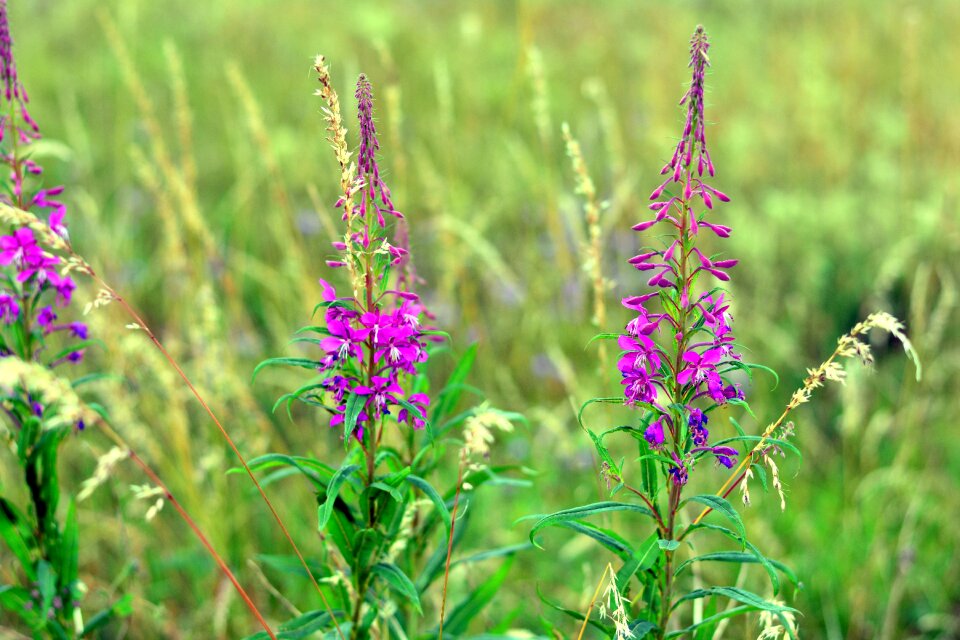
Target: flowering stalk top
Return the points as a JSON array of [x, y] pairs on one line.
[[674, 360], [373, 339]]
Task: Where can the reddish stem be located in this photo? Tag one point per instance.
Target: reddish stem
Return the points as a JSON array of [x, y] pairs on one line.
[[155, 479]]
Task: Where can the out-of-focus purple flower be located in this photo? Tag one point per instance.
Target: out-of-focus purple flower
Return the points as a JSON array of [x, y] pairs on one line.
[[78, 330], [18, 248], [9, 309], [40, 265], [43, 199], [64, 286], [46, 317], [57, 225]]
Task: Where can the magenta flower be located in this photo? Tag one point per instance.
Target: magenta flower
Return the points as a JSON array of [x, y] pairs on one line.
[[375, 194], [640, 353], [678, 471], [420, 402], [382, 394], [344, 342], [78, 330], [698, 427], [681, 366], [19, 247], [372, 342], [638, 386], [701, 367]]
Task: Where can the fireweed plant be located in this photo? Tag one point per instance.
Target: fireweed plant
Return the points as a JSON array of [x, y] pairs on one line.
[[390, 532], [39, 347], [679, 365]]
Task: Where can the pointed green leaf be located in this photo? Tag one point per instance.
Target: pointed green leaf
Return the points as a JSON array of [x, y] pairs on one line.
[[434, 497], [722, 506], [398, 581], [324, 510], [577, 513], [304, 363], [351, 413], [734, 593]]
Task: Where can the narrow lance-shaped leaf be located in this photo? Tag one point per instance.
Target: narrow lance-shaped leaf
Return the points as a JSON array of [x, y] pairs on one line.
[[578, 513], [398, 581], [333, 489]]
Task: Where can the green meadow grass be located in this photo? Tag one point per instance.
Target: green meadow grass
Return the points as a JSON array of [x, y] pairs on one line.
[[205, 195]]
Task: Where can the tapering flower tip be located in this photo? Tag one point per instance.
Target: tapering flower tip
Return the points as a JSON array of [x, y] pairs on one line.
[[13, 90], [369, 145], [374, 191]]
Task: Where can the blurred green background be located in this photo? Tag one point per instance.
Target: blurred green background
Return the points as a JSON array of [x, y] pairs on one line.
[[200, 185]]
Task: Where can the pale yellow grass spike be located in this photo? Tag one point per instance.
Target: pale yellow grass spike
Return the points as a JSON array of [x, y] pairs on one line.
[[280, 219], [188, 209], [593, 247], [337, 138], [182, 114], [848, 346], [173, 255], [613, 138], [258, 130], [540, 112]]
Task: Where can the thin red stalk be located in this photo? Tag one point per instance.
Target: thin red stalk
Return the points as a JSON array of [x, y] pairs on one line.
[[446, 571], [183, 376], [649, 504], [203, 539]]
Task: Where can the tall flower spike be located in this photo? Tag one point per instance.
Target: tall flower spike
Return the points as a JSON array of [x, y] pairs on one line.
[[374, 339], [376, 194], [664, 371]]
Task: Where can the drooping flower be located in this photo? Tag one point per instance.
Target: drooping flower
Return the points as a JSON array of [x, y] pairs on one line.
[[9, 309], [46, 317], [654, 434], [420, 402]]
